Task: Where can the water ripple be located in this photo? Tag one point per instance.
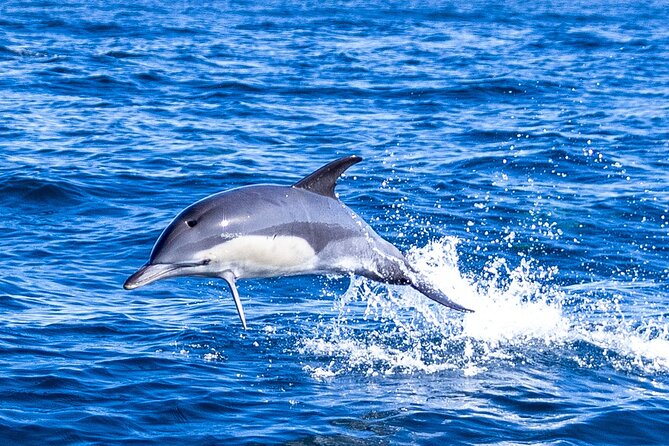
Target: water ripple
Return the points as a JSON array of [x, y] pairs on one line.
[[517, 151]]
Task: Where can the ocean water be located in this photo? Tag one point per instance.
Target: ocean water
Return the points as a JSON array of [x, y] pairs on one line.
[[516, 151]]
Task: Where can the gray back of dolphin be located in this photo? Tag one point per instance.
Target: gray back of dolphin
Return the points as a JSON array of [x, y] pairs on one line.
[[272, 230]]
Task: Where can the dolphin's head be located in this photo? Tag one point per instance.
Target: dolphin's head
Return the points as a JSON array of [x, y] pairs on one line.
[[243, 232], [181, 249]]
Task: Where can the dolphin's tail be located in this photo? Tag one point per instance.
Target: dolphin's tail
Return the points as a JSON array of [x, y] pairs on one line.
[[429, 290], [396, 270]]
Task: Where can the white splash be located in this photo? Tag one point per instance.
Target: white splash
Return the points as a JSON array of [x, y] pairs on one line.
[[519, 313]]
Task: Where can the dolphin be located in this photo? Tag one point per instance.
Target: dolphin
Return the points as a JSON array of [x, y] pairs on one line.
[[272, 230]]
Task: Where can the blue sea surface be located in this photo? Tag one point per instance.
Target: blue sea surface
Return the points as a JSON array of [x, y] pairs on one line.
[[518, 152]]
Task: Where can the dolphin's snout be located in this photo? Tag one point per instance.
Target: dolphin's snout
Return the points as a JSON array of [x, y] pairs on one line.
[[150, 273], [156, 271], [138, 278]]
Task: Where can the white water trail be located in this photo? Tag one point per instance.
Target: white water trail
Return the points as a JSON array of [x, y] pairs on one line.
[[519, 313]]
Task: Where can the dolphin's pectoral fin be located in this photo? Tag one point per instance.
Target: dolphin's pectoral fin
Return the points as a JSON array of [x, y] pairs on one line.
[[229, 277], [323, 181], [433, 293]]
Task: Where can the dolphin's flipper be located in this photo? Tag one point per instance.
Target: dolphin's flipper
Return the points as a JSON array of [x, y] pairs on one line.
[[230, 279], [433, 293], [323, 181]]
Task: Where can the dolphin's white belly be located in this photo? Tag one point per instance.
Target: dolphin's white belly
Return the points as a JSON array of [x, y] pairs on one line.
[[250, 256]]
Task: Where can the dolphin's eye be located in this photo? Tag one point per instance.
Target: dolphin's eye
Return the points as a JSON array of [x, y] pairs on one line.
[[191, 223]]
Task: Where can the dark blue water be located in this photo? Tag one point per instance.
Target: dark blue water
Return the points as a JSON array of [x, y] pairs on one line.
[[516, 150]]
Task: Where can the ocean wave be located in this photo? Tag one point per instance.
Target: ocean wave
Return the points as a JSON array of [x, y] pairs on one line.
[[534, 134], [34, 190], [520, 316]]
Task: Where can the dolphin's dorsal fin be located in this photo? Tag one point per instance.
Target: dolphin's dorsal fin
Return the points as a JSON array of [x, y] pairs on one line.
[[323, 181]]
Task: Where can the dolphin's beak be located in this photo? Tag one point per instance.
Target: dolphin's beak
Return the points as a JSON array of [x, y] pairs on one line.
[[149, 273], [156, 271]]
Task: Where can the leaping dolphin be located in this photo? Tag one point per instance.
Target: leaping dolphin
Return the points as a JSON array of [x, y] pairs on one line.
[[270, 230]]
